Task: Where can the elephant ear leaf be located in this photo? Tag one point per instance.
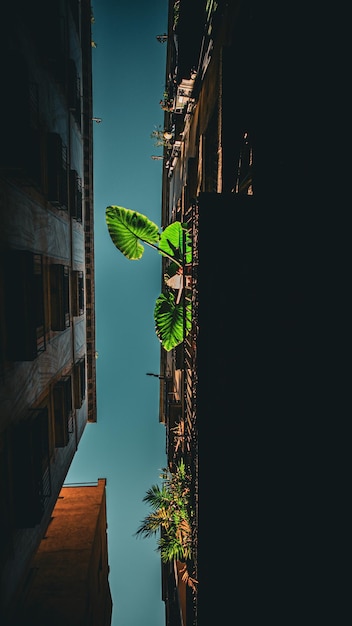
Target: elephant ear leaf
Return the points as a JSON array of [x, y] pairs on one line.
[[172, 241], [127, 228], [168, 317]]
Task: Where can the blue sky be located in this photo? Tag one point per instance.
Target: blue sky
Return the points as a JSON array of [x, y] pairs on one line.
[[127, 444]]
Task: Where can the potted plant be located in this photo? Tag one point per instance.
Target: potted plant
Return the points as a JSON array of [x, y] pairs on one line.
[[171, 514]]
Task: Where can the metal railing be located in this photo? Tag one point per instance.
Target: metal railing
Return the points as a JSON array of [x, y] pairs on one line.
[[189, 394], [181, 421]]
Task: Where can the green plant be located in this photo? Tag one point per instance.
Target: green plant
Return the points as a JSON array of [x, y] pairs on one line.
[[129, 230], [159, 135], [169, 318], [176, 13], [171, 514]]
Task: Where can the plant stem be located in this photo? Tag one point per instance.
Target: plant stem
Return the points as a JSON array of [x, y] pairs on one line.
[[152, 245]]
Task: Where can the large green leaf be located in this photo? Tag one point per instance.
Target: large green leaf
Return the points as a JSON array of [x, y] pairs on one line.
[[168, 317], [127, 228], [172, 242]]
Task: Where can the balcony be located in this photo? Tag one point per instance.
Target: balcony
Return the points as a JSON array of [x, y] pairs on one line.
[[184, 94], [174, 154]]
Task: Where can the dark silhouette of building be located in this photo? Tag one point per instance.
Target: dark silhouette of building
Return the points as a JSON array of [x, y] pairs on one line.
[[241, 396], [47, 307]]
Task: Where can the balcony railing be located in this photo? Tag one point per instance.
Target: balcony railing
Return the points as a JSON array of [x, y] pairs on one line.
[[181, 420]]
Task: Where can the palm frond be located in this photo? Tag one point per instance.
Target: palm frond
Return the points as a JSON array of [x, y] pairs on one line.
[[157, 497], [187, 579], [171, 514]]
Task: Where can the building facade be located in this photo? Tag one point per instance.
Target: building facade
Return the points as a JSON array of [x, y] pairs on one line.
[[47, 318], [68, 579]]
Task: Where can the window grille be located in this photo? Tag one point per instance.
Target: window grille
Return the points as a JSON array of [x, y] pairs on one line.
[[79, 382], [75, 196], [59, 297], [39, 302], [57, 172], [63, 419], [77, 293]]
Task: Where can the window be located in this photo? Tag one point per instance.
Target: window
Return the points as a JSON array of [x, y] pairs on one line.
[[30, 468], [74, 91], [5, 496], [79, 377], [57, 172], [59, 297], [63, 418], [24, 306], [75, 10], [20, 151], [77, 293], [52, 40], [211, 155], [75, 196], [244, 178]]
